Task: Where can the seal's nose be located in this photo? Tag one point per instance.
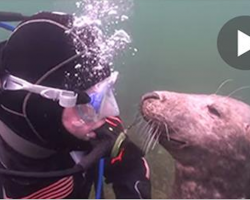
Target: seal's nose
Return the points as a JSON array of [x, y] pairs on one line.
[[152, 95]]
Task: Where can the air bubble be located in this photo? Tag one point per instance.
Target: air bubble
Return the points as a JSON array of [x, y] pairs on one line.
[[124, 18], [100, 16], [78, 66]]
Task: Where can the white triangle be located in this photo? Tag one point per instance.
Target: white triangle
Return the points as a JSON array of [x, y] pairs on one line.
[[243, 43]]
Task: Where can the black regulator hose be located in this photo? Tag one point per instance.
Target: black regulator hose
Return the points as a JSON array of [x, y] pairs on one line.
[[53, 174], [12, 16], [96, 154]]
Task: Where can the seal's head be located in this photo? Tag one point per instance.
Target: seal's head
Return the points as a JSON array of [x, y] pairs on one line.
[[208, 136], [197, 120]]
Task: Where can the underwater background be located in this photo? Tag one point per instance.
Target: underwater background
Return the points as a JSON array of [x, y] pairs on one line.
[[177, 50]]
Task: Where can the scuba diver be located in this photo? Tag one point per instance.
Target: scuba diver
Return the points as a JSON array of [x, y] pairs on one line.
[[59, 117]]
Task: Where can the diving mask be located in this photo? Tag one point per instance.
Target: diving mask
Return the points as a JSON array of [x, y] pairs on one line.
[[103, 103]]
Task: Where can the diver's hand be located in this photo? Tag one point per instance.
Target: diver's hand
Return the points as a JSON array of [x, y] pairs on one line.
[[108, 133], [112, 127], [114, 133]]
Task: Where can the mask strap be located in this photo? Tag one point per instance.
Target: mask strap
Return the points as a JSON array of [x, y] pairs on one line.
[[65, 98]]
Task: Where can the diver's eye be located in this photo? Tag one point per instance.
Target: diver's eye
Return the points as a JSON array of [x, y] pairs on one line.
[[213, 110]]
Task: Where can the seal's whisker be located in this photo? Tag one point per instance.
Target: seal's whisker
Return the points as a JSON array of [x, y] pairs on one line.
[[156, 139], [237, 90], [139, 127], [173, 129], [167, 133], [138, 119], [147, 137], [143, 131], [150, 136], [155, 142], [146, 144], [141, 121], [222, 84], [152, 139], [138, 115]]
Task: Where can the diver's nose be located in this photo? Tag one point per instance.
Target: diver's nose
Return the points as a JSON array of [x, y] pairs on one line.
[[152, 95]]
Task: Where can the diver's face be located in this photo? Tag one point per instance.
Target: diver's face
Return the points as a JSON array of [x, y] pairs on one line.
[[77, 127]]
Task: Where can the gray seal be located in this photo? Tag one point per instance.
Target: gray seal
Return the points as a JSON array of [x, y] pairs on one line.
[[209, 138]]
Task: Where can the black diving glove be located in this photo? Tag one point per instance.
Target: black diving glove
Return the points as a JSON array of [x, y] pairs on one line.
[[111, 142], [113, 134]]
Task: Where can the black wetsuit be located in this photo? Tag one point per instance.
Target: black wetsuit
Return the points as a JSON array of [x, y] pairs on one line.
[[30, 52], [128, 174]]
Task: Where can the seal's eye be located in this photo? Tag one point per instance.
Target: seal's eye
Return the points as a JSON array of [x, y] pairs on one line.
[[213, 110]]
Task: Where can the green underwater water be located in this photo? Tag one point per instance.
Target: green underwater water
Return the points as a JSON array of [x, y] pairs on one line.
[[177, 50]]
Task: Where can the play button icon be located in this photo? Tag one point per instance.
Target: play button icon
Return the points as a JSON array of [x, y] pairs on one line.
[[243, 43], [234, 42]]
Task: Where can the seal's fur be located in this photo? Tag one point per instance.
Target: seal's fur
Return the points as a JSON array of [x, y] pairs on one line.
[[209, 140]]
